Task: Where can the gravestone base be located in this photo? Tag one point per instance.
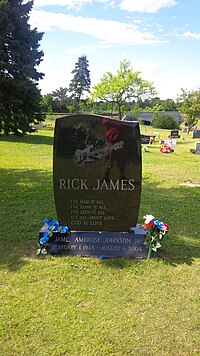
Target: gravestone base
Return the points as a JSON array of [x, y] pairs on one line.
[[96, 243], [174, 136]]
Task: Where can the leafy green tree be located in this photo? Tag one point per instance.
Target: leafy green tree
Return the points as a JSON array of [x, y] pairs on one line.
[[136, 112], [81, 80], [156, 104], [19, 56], [159, 107], [47, 102], [61, 99], [169, 105], [50, 110], [164, 121], [190, 107], [122, 88], [148, 104]]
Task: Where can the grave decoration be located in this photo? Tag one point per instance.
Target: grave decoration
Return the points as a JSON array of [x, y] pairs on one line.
[[145, 148], [97, 188], [168, 142], [166, 149], [156, 230], [50, 227]]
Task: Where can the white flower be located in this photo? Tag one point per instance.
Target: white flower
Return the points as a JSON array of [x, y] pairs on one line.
[[156, 247], [148, 218], [146, 149], [161, 234]]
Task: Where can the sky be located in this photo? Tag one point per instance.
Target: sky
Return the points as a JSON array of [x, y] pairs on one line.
[[160, 38]]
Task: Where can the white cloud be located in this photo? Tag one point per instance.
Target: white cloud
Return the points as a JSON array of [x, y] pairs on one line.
[[149, 6], [81, 50], [109, 32], [137, 21], [68, 3], [191, 35], [147, 68]]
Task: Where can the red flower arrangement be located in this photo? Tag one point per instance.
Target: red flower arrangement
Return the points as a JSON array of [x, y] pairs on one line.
[[156, 229], [166, 149]]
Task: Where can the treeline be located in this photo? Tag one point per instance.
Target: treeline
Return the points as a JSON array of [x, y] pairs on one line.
[[61, 101], [114, 95]]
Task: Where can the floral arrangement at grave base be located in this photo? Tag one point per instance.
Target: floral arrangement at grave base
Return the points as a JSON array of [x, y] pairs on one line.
[[166, 149], [156, 229], [52, 226]]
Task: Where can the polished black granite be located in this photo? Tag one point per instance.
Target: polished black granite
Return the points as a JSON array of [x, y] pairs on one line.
[[174, 134], [98, 244], [97, 173]]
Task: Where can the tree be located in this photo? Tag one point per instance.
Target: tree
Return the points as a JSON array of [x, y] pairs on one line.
[[169, 105], [47, 103], [190, 107], [81, 80], [61, 99], [164, 121], [19, 55], [122, 88]]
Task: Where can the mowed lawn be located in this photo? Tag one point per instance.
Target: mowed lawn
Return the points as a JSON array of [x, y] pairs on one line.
[[89, 306]]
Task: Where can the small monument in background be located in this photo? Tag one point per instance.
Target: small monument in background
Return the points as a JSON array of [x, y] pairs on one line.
[[197, 148], [174, 134], [97, 174], [196, 134]]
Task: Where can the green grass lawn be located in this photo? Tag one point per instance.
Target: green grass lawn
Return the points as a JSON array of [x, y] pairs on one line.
[[88, 306]]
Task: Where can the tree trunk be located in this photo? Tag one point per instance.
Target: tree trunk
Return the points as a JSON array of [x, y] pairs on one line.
[[119, 111]]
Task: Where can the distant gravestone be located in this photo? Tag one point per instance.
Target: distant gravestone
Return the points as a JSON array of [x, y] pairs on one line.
[[145, 139], [197, 148], [97, 186], [196, 134], [174, 134]]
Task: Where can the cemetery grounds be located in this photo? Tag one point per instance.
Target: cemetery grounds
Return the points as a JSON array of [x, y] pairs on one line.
[[92, 306]]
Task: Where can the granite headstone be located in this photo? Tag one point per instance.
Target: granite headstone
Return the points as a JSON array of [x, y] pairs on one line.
[[196, 134], [97, 173], [97, 186], [145, 139], [174, 134], [197, 148]]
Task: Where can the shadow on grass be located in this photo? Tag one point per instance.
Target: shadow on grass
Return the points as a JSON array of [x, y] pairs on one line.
[[27, 199], [178, 207], [33, 139]]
